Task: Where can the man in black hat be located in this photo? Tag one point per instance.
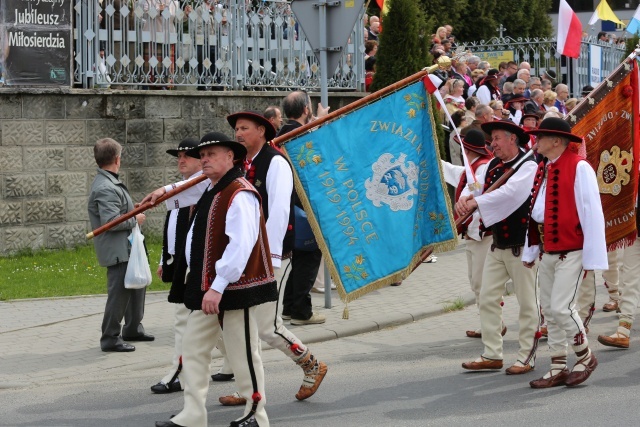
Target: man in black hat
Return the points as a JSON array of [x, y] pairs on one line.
[[566, 225], [488, 89], [503, 212], [271, 174], [229, 273], [477, 245], [176, 226]]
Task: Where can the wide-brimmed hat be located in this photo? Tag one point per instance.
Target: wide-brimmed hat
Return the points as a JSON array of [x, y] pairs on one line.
[[474, 141], [218, 138], [586, 90], [529, 116], [492, 74], [269, 130], [515, 98], [185, 145], [508, 126], [550, 75], [557, 127]]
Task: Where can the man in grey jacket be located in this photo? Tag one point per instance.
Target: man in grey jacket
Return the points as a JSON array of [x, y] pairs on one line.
[[108, 200]]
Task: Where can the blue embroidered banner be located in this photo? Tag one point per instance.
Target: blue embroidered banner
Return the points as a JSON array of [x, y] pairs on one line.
[[373, 190]]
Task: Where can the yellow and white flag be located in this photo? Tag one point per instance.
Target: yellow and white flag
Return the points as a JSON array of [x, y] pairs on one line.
[[604, 13]]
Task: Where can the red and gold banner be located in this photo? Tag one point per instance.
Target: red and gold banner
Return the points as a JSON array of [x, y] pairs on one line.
[[608, 121]]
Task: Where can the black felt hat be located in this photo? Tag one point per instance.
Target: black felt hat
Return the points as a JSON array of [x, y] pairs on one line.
[[269, 130], [185, 145], [529, 116], [557, 127], [509, 126], [474, 141], [218, 138]]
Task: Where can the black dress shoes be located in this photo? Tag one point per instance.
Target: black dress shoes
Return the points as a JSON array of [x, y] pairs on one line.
[[167, 424], [221, 377], [121, 347], [162, 388], [143, 337]]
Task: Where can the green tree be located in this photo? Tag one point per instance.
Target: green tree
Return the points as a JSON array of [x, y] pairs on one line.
[[475, 20], [402, 48], [631, 43]]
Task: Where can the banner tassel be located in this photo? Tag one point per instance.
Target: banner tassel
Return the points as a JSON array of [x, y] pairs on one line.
[[345, 312]]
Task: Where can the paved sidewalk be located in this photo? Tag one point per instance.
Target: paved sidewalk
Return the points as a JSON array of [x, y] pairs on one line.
[[53, 339]]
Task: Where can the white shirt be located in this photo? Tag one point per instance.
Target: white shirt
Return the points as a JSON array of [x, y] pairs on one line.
[[172, 222], [502, 202], [452, 174], [589, 205], [242, 226], [483, 95], [279, 188]]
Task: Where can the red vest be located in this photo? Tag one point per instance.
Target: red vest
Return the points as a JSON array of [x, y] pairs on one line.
[[562, 229]]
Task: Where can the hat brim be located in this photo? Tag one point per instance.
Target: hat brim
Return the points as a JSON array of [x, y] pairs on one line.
[[269, 130], [518, 99], [478, 150], [239, 150], [570, 136], [523, 138]]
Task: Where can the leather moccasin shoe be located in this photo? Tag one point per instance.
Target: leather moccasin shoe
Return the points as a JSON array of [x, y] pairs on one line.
[[474, 334], [221, 377], [617, 340], [122, 347], [484, 364], [612, 305], [553, 381], [162, 388], [167, 424], [578, 377], [518, 370], [233, 400], [143, 337]]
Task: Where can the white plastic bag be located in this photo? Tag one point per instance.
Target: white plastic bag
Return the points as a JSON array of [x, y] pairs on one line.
[[138, 273]]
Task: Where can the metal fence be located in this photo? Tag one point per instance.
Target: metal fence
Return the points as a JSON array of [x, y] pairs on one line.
[[230, 44], [541, 53]]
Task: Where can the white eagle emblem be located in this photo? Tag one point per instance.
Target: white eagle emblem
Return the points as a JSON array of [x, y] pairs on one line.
[[393, 182]]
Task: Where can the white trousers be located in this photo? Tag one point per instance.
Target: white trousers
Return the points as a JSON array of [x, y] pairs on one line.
[[271, 329], [500, 265], [179, 326], [630, 283], [476, 251], [201, 335], [559, 277], [587, 290]]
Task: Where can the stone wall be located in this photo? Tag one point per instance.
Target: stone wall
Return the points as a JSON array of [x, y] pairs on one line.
[[46, 151]]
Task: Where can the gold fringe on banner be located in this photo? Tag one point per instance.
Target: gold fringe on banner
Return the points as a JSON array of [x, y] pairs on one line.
[[444, 246]]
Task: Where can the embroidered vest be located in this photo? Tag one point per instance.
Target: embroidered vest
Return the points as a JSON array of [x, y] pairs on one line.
[[257, 284], [511, 231], [562, 229], [257, 176]]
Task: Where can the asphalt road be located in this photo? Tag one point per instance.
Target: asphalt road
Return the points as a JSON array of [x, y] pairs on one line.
[[404, 376]]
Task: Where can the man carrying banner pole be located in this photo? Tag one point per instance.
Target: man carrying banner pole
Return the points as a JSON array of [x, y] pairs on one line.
[[505, 210], [566, 226]]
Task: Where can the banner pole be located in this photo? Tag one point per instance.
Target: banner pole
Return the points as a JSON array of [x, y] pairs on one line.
[[349, 108]]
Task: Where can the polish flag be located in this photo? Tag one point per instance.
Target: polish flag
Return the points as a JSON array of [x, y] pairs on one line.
[[569, 31]]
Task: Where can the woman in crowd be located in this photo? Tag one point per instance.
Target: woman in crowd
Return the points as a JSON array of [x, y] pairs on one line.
[[370, 49], [454, 100], [549, 100], [571, 104]]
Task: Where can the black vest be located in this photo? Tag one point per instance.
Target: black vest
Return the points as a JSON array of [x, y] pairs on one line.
[[511, 231], [261, 164], [182, 224]]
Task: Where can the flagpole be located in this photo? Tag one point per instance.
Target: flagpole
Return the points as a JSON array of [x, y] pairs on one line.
[[577, 111], [350, 107]]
